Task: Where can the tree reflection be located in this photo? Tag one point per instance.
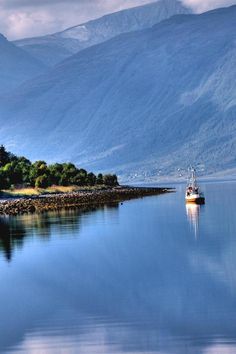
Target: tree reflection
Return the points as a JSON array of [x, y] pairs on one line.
[[15, 230], [11, 236]]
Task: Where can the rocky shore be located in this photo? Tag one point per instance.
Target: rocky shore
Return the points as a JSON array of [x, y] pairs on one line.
[[78, 199]]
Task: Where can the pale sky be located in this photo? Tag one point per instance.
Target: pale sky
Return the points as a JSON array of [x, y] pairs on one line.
[[29, 18]]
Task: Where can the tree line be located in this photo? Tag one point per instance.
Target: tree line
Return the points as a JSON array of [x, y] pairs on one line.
[[15, 171]]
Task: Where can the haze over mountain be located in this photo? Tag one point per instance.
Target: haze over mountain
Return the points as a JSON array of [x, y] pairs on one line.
[[54, 48], [16, 66], [156, 99]]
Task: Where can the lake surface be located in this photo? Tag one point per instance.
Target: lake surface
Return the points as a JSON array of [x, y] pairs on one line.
[[148, 276]]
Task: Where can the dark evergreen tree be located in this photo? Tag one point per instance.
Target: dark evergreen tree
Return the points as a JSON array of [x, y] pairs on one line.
[[4, 156]]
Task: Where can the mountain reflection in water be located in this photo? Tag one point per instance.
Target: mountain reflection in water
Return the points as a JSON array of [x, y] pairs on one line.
[[133, 279]]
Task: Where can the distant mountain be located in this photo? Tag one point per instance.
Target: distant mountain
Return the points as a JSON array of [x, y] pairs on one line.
[[16, 66], [157, 99], [54, 48]]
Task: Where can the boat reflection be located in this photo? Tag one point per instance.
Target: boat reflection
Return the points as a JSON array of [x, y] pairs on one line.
[[193, 214]]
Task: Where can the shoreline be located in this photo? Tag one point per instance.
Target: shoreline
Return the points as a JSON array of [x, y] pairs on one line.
[[55, 202]]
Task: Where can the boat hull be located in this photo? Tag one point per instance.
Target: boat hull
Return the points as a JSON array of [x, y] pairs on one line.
[[195, 200]]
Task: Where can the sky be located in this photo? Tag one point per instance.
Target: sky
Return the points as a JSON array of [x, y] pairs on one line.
[[29, 18]]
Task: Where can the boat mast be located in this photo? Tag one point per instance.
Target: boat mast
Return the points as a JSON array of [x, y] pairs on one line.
[[193, 181]]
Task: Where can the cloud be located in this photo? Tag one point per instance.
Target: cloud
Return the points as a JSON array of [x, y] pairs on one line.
[[205, 5], [28, 18]]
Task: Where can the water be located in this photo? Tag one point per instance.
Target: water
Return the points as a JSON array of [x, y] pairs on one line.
[[147, 276]]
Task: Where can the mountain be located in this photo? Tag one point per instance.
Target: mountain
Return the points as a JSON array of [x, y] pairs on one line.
[[52, 49], [144, 102], [16, 65]]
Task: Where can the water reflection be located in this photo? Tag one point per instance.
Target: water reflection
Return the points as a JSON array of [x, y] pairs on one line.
[[127, 280], [14, 230], [11, 236], [193, 214]]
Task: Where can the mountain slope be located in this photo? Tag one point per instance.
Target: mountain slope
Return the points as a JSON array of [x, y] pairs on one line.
[[152, 100], [16, 65], [56, 47]]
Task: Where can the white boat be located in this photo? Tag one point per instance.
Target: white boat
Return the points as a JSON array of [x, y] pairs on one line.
[[193, 193]]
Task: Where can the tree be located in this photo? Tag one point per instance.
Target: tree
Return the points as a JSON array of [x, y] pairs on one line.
[[55, 172], [16, 170], [42, 181], [39, 168], [100, 179], [4, 182], [24, 166], [81, 177], [91, 179], [64, 180], [4, 156], [13, 173], [110, 180], [67, 174]]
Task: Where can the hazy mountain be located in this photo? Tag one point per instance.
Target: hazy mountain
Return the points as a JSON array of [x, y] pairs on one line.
[[149, 100], [16, 65], [54, 48]]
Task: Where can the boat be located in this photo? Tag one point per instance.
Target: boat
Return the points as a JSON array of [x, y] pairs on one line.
[[193, 193]]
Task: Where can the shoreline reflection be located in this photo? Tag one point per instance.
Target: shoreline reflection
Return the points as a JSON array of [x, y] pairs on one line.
[[14, 230]]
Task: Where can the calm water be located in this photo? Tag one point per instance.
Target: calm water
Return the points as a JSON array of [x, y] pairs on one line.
[[148, 276]]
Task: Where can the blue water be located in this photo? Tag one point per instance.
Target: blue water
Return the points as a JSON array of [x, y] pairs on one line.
[[148, 276]]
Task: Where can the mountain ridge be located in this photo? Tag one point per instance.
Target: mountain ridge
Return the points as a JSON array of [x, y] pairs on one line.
[[16, 66], [141, 104], [51, 49]]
